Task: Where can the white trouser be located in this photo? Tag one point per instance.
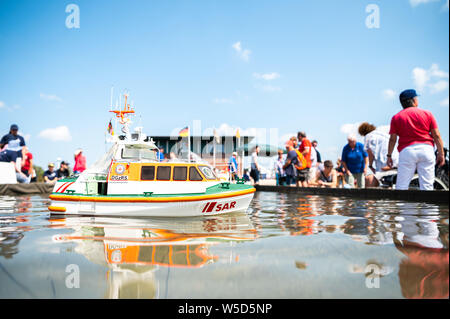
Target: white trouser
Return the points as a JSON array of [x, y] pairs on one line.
[[418, 157]]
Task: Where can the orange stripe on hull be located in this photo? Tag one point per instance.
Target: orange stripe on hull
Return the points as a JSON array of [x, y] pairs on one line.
[[56, 209]]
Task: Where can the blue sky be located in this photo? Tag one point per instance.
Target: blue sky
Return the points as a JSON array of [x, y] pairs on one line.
[[290, 65]]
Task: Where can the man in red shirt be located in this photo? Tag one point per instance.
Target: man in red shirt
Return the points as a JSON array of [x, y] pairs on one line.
[[27, 162], [304, 148], [418, 132]]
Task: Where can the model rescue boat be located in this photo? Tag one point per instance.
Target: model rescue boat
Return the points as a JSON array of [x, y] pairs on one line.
[[130, 180]]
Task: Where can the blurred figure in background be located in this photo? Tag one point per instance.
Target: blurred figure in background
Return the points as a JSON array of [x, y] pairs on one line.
[[233, 166], [255, 171], [50, 174], [319, 158], [80, 162], [63, 170], [340, 171], [356, 161], [326, 177], [13, 142], [27, 163], [290, 171], [376, 144], [161, 154], [279, 171], [305, 148]]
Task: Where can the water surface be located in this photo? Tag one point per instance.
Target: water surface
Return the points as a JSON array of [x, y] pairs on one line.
[[285, 246]]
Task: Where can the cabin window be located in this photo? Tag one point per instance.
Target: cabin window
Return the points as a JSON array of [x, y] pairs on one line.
[[163, 173], [194, 175], [148, 173], [209, 174], [179, 173], [138, 152]]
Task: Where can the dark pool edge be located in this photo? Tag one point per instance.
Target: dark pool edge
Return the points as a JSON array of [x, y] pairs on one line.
[[25, 189], [435, 197]]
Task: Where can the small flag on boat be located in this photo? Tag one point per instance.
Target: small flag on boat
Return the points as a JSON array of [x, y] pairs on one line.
[[238, 135], [110, 128], [184, 132]]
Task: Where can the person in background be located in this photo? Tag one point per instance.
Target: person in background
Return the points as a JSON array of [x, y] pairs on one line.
[[318, 157], [80, 162], [27, 162], [417, 132], [63, 170], [246, 177], [340, 171], [305, 148], [161, 154], [291, 160], [356, 161], [376, 145], [314, 165], [233, 166], [13, 142], [50, 174], [326, 177], [279, 171], [255, 171], [10, 157]]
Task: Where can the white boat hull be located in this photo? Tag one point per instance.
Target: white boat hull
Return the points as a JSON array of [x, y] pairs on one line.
[[206, 207]]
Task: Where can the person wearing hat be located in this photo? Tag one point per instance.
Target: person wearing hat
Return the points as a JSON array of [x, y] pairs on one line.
[[417, 133], [80, 162], [63, 170], [233, 166], [13, 142], [50, 174]]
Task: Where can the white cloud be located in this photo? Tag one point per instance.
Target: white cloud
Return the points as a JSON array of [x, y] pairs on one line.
[[268, 88], [439, 86], [415, 3], [237, 46], [420, 78], [431, 78], [244, 54], [50, 97], [350, 128], [266, 76], [223, 101], [389, 94], [444, 102], [9, 108], [60, 133]]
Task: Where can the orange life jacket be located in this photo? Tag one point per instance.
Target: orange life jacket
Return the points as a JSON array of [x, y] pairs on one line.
[[302, 163]]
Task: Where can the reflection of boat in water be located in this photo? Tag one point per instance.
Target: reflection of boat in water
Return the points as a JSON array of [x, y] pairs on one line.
[[133, 248], [130, 180]]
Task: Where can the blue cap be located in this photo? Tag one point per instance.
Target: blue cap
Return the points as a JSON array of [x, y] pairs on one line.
[[14, 127], [408, 94]]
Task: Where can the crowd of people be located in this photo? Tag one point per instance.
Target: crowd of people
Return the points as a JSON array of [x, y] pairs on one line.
[[14, 150], [363, 165], [360, 165]]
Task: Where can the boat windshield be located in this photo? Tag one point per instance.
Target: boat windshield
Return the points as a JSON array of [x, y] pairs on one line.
[[139, 152]]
